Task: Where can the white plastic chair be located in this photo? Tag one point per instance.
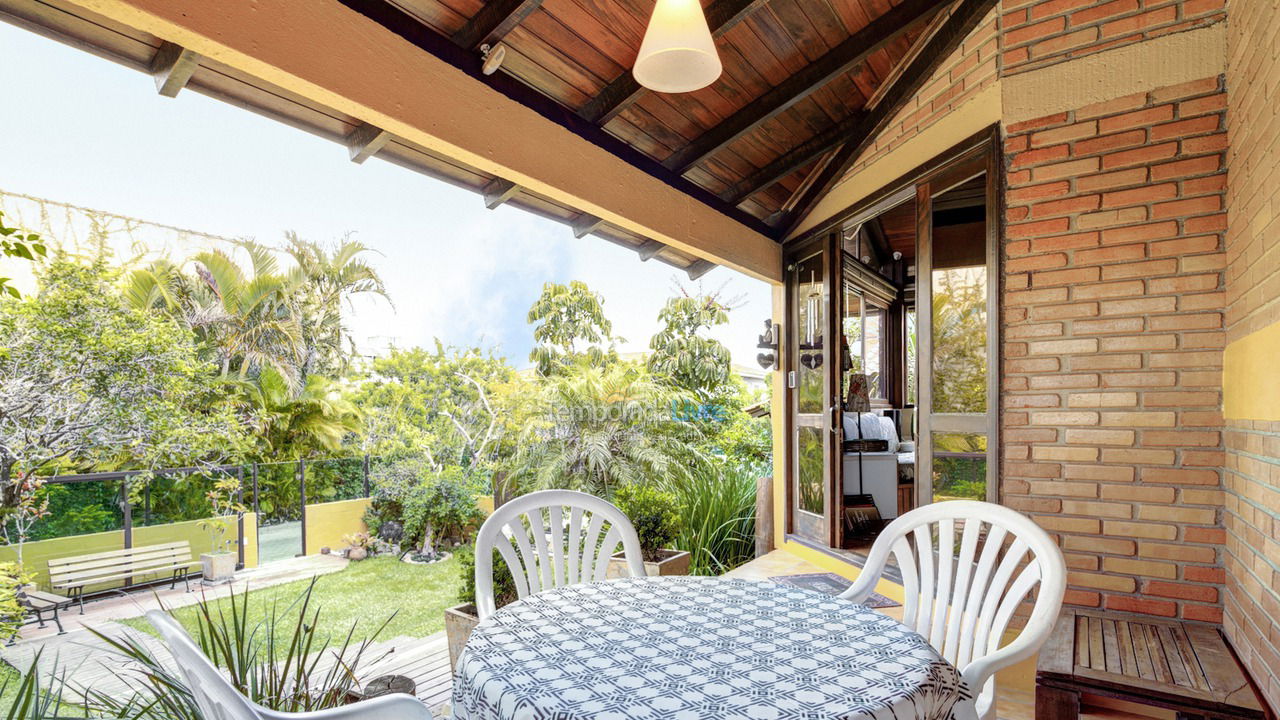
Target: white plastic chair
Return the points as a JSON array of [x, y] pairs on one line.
[[552, 538], [963, 605], [218, 699]]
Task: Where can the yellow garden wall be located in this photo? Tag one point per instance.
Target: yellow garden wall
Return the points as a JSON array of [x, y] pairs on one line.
[[36, 555], [328, 523]]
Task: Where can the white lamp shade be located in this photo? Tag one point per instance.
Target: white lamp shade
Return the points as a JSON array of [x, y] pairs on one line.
[[677, 54]]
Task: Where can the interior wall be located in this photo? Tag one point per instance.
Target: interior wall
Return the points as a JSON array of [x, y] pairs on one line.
[[1252, 385]]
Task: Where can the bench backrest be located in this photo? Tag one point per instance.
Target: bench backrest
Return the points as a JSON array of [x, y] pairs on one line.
[[81, 570]]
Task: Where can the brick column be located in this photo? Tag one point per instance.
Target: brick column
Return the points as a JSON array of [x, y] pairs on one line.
[[1113, 344]]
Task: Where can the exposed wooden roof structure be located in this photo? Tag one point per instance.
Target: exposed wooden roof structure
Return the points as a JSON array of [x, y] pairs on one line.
[[806, 86]]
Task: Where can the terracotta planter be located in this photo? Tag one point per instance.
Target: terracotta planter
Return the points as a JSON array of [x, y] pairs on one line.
[[459, 621], [218, 567], [673, 562]]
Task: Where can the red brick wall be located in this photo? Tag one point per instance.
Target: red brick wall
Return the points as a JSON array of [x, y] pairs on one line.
[[1113, 302], [1252, 475], [1037, 33]]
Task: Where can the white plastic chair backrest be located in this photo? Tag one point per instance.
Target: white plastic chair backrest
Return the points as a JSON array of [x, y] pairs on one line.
[[961, 599], [552, 538], [214, 695]]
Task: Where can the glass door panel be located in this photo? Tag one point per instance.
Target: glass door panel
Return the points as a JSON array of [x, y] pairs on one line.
[[956, 342], [810, 391]]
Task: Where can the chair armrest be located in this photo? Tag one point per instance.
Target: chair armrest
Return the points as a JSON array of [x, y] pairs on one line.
[[398, 706]]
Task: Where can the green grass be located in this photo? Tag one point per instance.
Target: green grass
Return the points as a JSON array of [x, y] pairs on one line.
[[365, 594], [10, 679]]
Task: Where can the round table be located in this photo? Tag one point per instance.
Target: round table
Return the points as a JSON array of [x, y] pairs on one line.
[[694, 649]]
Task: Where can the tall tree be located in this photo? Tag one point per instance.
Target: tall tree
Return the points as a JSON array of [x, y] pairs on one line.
[[436, 404], [324, 280], [569, 326], [87, 382], [15, 243], [683, 354]]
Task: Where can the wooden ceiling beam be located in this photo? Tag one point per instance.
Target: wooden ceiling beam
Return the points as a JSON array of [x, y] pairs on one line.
[[172, 67], [699, 268], [585, 224], [649, 249], [877, 242], [365, 141], [850, 53], [938, 47], [617, 95], [794, 159], [498, 191], [495, 19]]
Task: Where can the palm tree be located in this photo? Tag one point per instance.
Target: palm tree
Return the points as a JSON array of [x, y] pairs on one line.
[[244, 319], [325, 278], [296, 425], [597, 428]]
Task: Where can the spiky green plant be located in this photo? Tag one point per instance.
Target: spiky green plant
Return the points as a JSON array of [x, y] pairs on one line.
[[718, 516], [280, 663], [29, 698]]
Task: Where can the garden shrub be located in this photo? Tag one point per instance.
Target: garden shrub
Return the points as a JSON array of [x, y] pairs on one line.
[[443, 506], [655, 515], [504, 586]]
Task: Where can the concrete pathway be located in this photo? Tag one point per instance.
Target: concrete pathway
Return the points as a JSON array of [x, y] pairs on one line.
[[137, 602]]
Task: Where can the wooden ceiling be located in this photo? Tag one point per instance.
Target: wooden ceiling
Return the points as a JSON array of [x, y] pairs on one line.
[[806, 83]]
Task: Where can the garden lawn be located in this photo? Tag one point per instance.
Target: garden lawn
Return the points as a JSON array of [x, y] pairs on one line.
[[365, 594]]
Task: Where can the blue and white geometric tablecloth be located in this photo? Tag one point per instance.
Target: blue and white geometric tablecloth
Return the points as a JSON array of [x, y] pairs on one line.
[[697, 649]]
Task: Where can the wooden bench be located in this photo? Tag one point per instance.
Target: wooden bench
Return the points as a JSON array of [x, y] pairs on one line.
[[35, 604], [73, 574], [1184, 667]]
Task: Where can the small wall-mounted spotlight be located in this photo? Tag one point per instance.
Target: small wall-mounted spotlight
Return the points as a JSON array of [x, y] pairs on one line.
[[768, 342], [493, 57]]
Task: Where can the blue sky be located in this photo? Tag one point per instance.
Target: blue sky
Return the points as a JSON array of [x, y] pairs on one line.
[[83, 130]]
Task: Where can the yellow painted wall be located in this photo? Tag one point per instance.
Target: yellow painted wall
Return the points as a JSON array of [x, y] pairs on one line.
[[36, 555], [1250, 380], [328, 523]]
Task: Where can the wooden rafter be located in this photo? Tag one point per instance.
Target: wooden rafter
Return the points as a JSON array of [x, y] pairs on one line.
[[172, 67], [494, 20], [585, 224], [842, 58], [498, 191], [365, 141], [617, 95], [699, 268], [649, 249], [794, 159], [938, 47]]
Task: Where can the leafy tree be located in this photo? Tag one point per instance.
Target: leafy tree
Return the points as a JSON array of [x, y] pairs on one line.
[[87, 382], [311, 423], [598, 428], [436, 404], [682, 354], [959, 342], [444, 503], [569, 326], [16, 244]]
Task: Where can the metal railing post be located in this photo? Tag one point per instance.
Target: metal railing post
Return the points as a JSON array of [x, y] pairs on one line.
[[240, 518], [366, 475], [302, 492]]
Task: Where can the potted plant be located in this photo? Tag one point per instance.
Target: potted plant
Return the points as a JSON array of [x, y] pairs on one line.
[[461, 619], [359, 546], [219, 564], [654, 515]]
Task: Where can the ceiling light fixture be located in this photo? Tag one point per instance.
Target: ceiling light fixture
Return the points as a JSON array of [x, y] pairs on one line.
[[493, 58], [677, 54]]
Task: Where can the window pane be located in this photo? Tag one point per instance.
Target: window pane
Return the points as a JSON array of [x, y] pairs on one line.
[[960, 340]]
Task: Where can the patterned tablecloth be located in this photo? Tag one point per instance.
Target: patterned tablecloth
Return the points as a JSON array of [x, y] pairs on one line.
[[695, 649]]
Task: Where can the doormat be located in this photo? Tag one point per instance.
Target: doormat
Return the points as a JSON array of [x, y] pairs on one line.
[[831, 584]]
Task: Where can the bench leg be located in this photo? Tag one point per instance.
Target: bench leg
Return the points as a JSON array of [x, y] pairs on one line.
[[1056, 704]]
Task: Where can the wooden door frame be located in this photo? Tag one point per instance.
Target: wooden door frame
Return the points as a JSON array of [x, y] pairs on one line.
[[829, 245]]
